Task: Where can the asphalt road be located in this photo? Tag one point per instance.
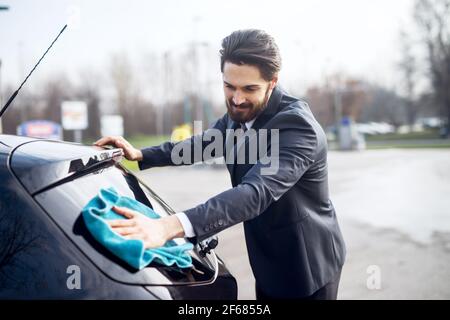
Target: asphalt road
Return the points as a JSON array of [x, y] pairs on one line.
[[393, 209]]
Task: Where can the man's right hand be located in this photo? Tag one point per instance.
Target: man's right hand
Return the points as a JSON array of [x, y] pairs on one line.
[[130, 152]]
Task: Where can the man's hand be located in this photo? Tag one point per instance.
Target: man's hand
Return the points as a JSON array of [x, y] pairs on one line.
[[153, 232], [130, 152]]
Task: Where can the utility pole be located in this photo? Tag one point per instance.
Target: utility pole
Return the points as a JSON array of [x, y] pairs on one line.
[[2, 8], [166, 94], [198, 107]]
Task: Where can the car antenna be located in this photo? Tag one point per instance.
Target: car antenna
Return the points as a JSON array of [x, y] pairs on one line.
[[17, 91]]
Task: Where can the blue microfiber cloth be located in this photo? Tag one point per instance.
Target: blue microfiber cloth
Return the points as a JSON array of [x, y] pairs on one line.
[[132, 251]]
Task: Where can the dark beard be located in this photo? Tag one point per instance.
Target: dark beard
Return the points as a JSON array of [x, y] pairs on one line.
[[259, 108]]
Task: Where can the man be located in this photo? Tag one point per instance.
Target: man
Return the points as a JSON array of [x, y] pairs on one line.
[[294, 243]]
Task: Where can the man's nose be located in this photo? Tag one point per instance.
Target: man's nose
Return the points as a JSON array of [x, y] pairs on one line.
[[238, 98]]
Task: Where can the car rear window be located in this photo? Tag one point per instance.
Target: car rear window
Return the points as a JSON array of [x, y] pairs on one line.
[[64, 204]]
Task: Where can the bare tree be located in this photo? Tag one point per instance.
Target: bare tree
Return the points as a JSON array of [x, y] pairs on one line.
[[11, 118], [123, 82], [354, 97], [55, 91], [433, 19], [340, 96], [88, 91], [384, 105], [321, 103]]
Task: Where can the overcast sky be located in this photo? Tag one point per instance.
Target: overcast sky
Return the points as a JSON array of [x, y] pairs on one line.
[[316, 37]]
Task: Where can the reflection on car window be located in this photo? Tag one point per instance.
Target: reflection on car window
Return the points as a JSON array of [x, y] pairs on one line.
[[65, 202], [125, 183], [142, 193], [139, 194]]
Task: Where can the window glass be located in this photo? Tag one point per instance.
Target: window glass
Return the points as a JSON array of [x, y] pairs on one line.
[[65, 202]]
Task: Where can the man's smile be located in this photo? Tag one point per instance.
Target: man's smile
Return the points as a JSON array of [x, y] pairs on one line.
[[240, 107]]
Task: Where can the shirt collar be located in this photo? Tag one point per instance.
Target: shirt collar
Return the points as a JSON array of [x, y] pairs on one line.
[[250, 123]]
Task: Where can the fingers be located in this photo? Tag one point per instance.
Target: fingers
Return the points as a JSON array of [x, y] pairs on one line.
[[121, 223], [135, 236], [127, 231], [110, 140], [127, 213], [103, 141], [119, 142]]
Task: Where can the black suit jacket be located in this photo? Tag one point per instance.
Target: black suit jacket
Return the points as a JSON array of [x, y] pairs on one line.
[[293, 238]]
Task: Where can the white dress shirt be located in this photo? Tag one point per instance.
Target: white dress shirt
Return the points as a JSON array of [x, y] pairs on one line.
[[184, 220]]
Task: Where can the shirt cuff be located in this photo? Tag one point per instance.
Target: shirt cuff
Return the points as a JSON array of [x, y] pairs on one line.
[[187, 225]]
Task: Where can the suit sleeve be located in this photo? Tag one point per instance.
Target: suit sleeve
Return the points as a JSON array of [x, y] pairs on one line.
[[163, 155], [297, 148]]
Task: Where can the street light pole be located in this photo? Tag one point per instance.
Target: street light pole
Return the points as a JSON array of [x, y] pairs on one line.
[[337, 106]]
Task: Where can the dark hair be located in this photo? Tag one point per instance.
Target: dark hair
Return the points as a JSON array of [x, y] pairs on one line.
[[253, 47]]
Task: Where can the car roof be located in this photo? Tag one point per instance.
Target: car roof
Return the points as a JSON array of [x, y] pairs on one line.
[[40, 163], [13, 141]]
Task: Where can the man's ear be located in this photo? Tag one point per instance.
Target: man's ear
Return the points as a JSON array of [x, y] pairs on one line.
[[273, 82]]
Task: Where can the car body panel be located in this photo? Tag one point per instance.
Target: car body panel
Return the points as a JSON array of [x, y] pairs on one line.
[[44, 186]]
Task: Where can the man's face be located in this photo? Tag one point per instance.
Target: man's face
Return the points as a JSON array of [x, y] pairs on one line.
[[246, 92]]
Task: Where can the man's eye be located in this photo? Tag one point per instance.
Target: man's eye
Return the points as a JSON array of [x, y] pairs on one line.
[[250, 89]]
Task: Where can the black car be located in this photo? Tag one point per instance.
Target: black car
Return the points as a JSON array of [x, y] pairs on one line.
[[46, 251]]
